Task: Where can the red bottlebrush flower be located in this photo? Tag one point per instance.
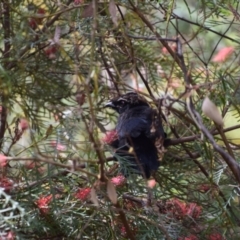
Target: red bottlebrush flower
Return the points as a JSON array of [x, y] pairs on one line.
[[80, 98], [215, 236], [39, 16], [34, 165], [58, 146], [110, 137], [193, 210], [3, 160], [223, 54], [204, 187], [50, 51], [32, 23], [118, 180], [123, 230], [38, 19], [43, 202], [83, 193], [23, 124], [190, 237], [41, 12], [179, 208], [7, 184]]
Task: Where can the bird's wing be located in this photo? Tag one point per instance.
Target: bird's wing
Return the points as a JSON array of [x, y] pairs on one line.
[[133, 127]]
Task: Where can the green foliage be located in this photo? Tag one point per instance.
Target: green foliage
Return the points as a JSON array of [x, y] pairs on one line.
[[60, 62]]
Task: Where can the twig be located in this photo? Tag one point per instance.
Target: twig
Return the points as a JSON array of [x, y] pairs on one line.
[[173, 142], [101, 158], [123, 218], [231, 162], [205, 172], [70, 167], [204, 27], [178, 57], [43, 30], [6, 57]]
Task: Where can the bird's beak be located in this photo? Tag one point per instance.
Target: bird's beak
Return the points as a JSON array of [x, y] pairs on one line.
[[109, 104]]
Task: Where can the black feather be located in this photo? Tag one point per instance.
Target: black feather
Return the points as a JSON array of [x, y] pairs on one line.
[[138, 127]]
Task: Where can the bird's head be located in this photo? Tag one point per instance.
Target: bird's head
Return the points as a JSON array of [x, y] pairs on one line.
[[126, 101]]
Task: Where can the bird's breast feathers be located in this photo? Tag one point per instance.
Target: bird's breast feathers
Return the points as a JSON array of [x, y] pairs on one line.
[[134, 122]]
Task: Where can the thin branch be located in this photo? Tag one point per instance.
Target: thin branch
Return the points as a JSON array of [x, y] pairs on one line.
[[43, 30], [96, 146], [218, 42], [173, 142], [204, 27], [71, 167], [123, 218], [151, 38], [231, 162], [6, 56], [206, 174]]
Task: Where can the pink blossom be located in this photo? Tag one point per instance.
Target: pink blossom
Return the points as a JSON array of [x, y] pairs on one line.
[[223, 54], [110, 137], [58, 146], [3, 160], [43, 202], [118, 180], [10, 236], [83, 193], [151, 183]]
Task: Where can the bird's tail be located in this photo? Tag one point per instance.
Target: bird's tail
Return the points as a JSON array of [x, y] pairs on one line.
[[146, 156], [142, 158]]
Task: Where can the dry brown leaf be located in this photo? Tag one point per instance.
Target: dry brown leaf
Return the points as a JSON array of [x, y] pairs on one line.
[[211, 111], [111, 191], [93, 197], [113, 12]]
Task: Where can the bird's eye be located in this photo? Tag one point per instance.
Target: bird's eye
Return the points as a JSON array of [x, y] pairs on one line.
[[122, 103]]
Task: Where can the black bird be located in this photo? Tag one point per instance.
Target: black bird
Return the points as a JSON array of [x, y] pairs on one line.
[[139, 129]]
